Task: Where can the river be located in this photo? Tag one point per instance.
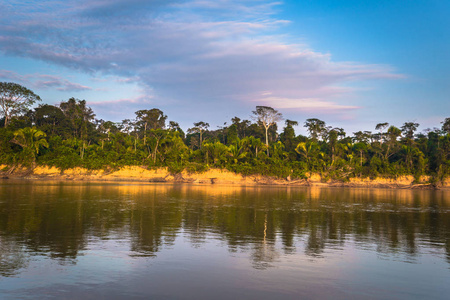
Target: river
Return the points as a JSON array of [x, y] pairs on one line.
[[88, 240]]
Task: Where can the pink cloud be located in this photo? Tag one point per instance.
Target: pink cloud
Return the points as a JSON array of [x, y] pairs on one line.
[[305, 104], [118, 109], [43, 81]]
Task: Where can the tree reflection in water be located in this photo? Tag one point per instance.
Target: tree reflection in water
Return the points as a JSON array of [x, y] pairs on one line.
[[12, 258], [60, 220]]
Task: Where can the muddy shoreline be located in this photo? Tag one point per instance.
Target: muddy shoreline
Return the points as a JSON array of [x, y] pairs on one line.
[[212, 176]]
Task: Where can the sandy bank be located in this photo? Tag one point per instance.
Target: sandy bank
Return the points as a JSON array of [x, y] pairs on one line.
[[212, 176]]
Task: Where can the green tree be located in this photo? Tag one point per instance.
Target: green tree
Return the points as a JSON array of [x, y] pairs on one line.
[[157, 137], [361, 148], [315, 128], [151, 118], [288, 135], [446, 125], [237, 149], [31, 140], [309, 151], [408, 130], [392, 135], [409, 150], [381, 127], [127, 126], [15, 99], [362, 137], [148, 119], [51, 120], [105, 129], [217, 151], [174, 126], [254, 144], [332, 135], [232, 134], [241, 126], [200, 128], [174, 150], [278, 152], [81, 118], [80, 115]]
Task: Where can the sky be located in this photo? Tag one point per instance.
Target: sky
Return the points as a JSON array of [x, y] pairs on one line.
[[350, 63]]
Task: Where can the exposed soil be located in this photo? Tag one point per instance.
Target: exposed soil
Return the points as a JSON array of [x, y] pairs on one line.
[[212, 176]]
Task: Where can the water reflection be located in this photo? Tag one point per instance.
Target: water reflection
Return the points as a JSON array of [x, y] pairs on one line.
[[12, 258], [62, 220]]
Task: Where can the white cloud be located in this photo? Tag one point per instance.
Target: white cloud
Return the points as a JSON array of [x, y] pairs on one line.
[[183, 53]]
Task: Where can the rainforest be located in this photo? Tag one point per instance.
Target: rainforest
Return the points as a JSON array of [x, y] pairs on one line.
[[69, 135]]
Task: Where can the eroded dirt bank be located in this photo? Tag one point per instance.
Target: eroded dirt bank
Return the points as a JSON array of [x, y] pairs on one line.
[[212, 176]]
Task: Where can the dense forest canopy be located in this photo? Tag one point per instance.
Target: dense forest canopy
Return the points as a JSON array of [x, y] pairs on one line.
[[68, 135]]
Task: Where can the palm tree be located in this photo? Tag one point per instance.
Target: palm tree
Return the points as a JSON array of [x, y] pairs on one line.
[[278, 150], [31, 140], [173, 149], [255, 144], [308, 150], [237, 149], [217, 151]]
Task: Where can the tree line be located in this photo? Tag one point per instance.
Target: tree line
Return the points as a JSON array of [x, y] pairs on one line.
[[68, 135]]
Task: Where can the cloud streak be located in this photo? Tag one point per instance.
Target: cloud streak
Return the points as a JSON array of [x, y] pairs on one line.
[[304, 104], [43, 81], [122, 108], [182, 54]]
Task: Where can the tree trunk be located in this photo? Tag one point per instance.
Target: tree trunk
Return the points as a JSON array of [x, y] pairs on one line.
[[332, 155], [154, 152], [145, 132], [360, 171], [82, 151]]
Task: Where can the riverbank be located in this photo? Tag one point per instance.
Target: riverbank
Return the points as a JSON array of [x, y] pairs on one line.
[[212, 176]]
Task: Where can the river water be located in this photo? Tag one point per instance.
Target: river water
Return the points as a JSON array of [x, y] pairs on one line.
[[77, 240]]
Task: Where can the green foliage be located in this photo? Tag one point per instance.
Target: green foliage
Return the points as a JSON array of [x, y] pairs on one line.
[[193, 167], [31, 140], [15, 100], [79, 117], [216, 152], [7, 149], [175, 167], [376, 166], [61, 154], [232, 135], [68, 136]]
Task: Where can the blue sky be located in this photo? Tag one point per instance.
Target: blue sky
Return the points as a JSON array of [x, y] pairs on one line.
[[350, 63]]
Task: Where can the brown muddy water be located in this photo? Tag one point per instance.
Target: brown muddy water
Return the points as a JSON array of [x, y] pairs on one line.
[[77, 240]]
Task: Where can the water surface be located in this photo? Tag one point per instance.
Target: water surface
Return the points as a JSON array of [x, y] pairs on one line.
[[75, 240]]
